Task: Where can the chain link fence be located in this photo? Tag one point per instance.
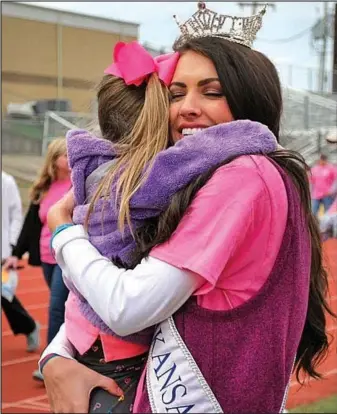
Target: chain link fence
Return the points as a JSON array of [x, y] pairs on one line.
[[21, 136]]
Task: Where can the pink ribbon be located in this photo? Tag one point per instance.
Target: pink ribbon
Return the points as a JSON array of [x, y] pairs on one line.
[[134, 64]]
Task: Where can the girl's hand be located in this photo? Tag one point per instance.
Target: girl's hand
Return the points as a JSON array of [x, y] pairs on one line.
[[61, 212], [10, 263], [69, 384]]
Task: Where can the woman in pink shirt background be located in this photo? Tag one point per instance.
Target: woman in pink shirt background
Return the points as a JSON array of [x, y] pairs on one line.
[[322, 178], [54, 182], [49, 187]]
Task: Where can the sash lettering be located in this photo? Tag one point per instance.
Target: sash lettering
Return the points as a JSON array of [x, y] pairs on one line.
[[173, 386]]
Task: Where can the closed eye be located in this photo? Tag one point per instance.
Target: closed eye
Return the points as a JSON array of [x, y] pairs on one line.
[[216, 94], [176, 95]]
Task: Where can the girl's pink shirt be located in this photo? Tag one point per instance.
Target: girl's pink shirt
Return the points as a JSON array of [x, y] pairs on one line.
[[230, 235], [56, 191], [82, 334]]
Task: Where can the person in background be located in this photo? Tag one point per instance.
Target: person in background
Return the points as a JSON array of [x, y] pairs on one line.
[[50, 186], [322, 178], [18, 318], [328, 222]]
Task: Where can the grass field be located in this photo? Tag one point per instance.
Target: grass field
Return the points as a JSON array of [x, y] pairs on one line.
[[328, 405]]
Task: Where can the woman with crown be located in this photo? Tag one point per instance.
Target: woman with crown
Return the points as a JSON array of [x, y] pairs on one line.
[[244, 257]]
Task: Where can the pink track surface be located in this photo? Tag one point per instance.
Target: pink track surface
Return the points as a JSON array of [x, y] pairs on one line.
[[21, 394]]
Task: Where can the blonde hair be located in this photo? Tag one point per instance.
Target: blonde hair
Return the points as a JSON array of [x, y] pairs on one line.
[[136, 119], [48, 172]]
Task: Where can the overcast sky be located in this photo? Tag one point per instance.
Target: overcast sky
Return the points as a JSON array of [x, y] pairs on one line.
[[287, 19]]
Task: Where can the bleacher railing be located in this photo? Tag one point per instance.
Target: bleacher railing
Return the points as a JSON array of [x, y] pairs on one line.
[[306, 121], [56, 124]]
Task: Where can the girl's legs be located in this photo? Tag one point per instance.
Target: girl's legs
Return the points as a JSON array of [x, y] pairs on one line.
[[58, 297], [47, 269], [22, 323]]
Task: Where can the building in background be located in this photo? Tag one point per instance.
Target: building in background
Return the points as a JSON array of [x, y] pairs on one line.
[[56, 55]]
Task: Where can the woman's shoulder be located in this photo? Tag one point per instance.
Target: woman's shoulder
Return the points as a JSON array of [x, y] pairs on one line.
[[257, 168], [249, 182], [252, 179], [249, 163]]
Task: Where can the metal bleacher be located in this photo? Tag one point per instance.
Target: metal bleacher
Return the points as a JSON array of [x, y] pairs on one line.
[[307, 118]]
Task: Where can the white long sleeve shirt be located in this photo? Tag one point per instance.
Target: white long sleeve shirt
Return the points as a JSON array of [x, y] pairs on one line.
[[11, 214], [126, 300]]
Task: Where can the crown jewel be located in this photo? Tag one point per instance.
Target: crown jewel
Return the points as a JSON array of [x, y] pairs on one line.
[[206, 22]]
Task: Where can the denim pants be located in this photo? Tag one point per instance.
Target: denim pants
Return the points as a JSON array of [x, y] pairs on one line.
[[325, 201], [58, 296]]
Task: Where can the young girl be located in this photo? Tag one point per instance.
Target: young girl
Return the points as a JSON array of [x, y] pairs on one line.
[[123, 182]]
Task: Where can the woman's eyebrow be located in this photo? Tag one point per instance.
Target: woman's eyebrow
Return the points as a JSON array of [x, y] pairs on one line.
[[208, 80], [180, 84], [200, 83]]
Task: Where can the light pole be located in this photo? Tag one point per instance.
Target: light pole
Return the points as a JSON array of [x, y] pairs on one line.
[[255, 5]]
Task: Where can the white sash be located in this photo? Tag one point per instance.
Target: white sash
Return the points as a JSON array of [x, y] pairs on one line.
[[174, 381]]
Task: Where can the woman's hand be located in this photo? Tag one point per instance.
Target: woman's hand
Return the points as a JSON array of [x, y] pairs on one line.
[[69, 384], [61, 212]]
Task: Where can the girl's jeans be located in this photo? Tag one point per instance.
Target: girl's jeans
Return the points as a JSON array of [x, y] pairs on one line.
[[58, 296]]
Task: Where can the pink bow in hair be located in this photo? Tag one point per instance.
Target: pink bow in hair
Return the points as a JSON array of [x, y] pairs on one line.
[[134, 64]]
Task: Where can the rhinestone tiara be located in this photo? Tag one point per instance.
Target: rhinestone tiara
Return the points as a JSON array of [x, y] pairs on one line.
[[205, 22]]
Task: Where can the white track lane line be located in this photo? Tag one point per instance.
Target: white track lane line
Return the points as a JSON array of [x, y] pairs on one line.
[[25, 401], [9, 332], [20, 360]]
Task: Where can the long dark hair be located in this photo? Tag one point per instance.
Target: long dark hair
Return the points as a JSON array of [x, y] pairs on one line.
[[252, 88]]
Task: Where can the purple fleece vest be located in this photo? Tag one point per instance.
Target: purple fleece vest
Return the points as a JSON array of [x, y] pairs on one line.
[[172, 170], [246, 354]]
